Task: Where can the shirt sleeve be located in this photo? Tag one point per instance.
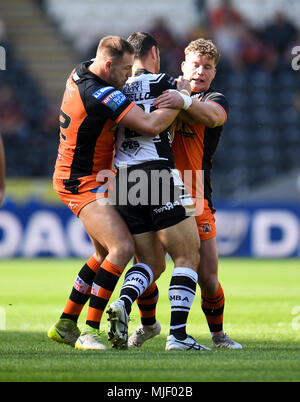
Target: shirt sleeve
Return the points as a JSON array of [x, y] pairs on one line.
[[218, 98], [108, 102], [170, 82]]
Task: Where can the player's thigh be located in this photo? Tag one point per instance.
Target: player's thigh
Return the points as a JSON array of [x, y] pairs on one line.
[[208, 267], [149, 250], [104, 224], [182, 242]]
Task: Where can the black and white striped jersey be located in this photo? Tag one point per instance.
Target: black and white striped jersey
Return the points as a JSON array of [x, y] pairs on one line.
[[132, 148]]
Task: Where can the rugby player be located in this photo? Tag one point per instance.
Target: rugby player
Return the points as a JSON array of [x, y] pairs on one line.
[[197, 135], [91, 107], [164, 225]]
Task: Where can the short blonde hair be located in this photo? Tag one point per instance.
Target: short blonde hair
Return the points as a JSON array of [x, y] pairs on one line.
[[114, 47], [205, 47]]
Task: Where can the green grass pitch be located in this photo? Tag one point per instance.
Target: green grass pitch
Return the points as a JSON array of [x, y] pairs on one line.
[[262, 311]]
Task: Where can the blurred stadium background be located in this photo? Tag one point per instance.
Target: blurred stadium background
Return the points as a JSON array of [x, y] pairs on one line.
[[257, 166]]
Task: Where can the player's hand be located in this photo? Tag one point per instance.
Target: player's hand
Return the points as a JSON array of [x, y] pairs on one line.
[[182, 83], [170, 99]]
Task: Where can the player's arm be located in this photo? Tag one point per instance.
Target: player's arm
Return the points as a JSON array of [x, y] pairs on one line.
[[209, 113], [155, 122], [2, 172], [115, 105], [150, 124]]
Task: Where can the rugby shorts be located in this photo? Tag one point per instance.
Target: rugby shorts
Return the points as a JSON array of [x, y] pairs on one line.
[[157, 205], [77, 193], [206, 222]]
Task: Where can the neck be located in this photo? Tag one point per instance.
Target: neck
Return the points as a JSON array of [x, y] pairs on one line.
[[93, 68], [96, 69], [138, 64]]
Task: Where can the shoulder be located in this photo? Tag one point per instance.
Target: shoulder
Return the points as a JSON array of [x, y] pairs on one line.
[[170, 81], [163, 79], [105, 97], [213, 96], [101, 93]]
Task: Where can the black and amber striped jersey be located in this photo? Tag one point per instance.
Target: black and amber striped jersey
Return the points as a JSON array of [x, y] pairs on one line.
[[89, 112], [194, 146], [133, 148]]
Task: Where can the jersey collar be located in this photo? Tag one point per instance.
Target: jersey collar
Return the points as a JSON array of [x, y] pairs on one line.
[[199, 95], [141, 71], [83, 72]]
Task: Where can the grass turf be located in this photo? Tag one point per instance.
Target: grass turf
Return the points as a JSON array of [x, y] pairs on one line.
[[260, 312]]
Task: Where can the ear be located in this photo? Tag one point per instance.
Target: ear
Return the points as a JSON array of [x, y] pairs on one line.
[[107, 65], [154, 52], [182, 66]]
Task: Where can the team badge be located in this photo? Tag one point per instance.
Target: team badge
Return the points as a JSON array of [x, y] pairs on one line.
[[206, 227]]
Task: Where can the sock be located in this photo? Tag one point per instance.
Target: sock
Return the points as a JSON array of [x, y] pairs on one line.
[[103, 286], [147, 305], [81, 290], [182, 292], [137, 279], [213, 308]]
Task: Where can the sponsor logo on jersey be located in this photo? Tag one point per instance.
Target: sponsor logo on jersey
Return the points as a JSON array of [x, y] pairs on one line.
[[114, 100], [133, 87], [102, 91], [139, 96], [130, 145]]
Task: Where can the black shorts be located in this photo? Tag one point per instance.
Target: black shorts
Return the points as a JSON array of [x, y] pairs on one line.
[[150, 197]]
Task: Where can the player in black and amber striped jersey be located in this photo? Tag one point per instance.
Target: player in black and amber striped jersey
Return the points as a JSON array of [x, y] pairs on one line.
[[196, 139], [92, 104]]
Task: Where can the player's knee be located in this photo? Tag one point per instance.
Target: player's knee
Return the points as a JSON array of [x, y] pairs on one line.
[[195, 260], [208, 282], [190, 260], [124, 250], [158, 269], [100, 256], [208, 273]]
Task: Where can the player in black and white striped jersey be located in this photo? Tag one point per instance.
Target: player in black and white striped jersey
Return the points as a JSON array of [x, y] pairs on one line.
[[133, 148], [167, 226]]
